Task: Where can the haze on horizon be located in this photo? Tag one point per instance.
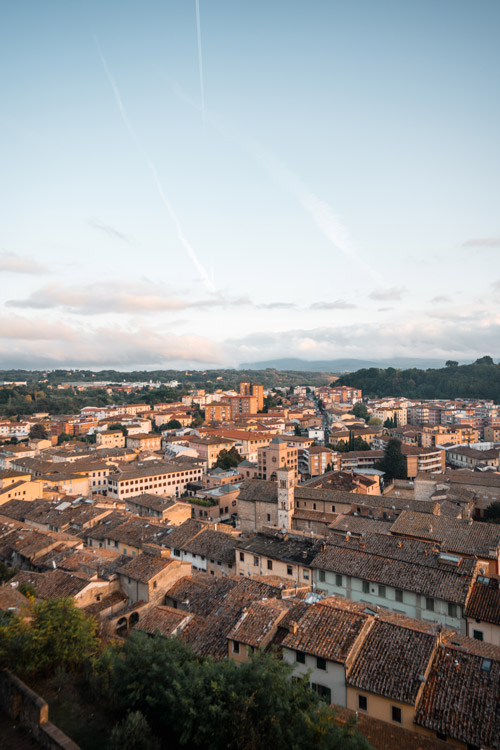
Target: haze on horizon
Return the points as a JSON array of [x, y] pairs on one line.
[[315, 180]]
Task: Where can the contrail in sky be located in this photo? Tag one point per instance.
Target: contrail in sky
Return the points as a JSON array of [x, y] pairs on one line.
[[207, 279], [321, 213], [200, 60]]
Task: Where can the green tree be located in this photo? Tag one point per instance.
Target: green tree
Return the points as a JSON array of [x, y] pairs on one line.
[[173, 424], [296, 429], [38, 432], [63, 438], [487, 360], [492, 512], [228, 459], [63, 635], [220, 705], [393, 462], [6, 572], [360, 410], [451, 363]]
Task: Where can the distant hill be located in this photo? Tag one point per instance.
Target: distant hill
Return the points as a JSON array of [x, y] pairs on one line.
[[478, 380], [341, 365]]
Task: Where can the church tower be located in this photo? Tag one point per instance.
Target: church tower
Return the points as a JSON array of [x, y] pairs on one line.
[[286, 499]]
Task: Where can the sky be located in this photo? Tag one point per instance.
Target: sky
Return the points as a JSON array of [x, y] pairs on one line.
[[256, 180]]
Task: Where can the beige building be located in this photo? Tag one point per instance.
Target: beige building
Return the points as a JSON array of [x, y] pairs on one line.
[[147, 578], [208, 448], [110, 439], [144, 442]]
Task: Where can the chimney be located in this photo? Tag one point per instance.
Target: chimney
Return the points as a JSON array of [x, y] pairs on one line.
[[293, 627]]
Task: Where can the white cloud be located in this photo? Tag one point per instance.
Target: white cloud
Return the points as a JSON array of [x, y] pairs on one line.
[[117, 297], [338, 304], [34, 343], [414, 337], [482, 242], [388, 293], [13, 263]]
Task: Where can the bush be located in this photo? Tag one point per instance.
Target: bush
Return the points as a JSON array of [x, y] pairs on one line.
[[133, 733]]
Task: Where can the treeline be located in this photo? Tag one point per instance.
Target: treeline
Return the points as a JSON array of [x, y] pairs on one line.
[[33, 398], [478, 380], [210, 380]]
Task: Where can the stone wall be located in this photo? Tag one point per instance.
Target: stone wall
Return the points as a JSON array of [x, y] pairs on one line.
[[32, 712]]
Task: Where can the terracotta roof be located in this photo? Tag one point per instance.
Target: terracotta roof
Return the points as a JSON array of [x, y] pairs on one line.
[[212, 544], [257, 622], [454, 534], [326, 632], [461, 698], [293, 549], [380, 560], [181, 535], [484, 602], [146, 500], [166, 621], [391, 660], [52, 583], [143, 568]]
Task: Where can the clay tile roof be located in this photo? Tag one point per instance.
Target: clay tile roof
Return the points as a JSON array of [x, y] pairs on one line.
[[52, 583], [143, 567], [257, 621], [409, 564], [484, 602], [213, 544], [166, 621], [326, 632], [180, 535], [454, 534], [391, 660], [461, 698]]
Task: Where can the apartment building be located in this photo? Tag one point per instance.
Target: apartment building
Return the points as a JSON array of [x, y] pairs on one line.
[[110, 439], [157, 478], [253, 389]]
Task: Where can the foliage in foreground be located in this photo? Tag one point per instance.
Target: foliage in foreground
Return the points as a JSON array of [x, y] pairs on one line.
[[205, 704], [59, 635]]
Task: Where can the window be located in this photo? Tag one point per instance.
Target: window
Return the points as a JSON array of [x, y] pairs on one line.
[[362, 702], [305, 573], [322, 576], [255, 560], [333, 508], [429, 604], [396, 714], [366, 587], [300, 657], [155, 584], [268, 516], [452, 610], [269, 564], [338, 580], [289, 570], [242, 557], [381, 592], [236, 647], [477, 635], [320, 663]]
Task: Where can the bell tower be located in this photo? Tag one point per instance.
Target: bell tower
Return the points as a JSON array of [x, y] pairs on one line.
[[286, 498]]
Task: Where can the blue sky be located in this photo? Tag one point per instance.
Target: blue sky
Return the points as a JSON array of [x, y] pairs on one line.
[[336, 196]]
